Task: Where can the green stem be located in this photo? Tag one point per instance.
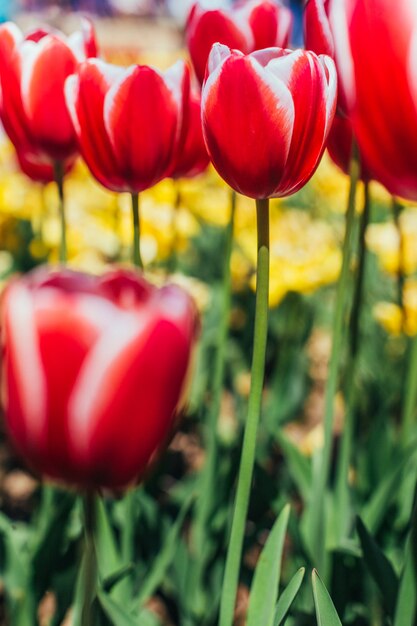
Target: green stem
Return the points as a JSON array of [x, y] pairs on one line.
[[209, 473], [89, 561], [397, 210], [317, 504], [137, 259], [59, 179], [410, 394], [234, 554], [173, 257], [342, 479]]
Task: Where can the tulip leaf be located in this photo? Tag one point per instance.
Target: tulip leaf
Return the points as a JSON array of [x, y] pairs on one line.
[[109, 559], [288, 596], [379, 566], [117, 576], [265, 585], [405, 611], [118, 615], [374, 511], [299, 465], [165, 557], [325, 612]]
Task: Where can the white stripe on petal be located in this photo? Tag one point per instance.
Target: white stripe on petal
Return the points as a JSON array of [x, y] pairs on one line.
[[29, 53], [174, 78], [100, 374], [331, 95], [218, 55], [71, 89], [76, 41], [117, 81], [282, 66], [339, 23], [23, 343]]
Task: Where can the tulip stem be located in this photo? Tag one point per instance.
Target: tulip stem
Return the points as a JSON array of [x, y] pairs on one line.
[[173, 257], [90, 560], [410, 394], [137, 259], [59, 179], [234, 554], [397, 210], [208, 475], [317, 504], [342, 482]]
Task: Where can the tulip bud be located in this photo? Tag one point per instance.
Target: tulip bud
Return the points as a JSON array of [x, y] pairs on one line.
[[93, 372], [266, 117]]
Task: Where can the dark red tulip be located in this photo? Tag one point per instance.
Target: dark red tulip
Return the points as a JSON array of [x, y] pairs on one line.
[[193, 158], [130, 123], [266, 117], [375, 49], [340, 147], [33, 70], [247, 27], [94, 371]]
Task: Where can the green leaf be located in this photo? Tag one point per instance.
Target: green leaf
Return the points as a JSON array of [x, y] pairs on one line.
[[264, 591], [117, 576], [165, 557], [299, 465], [374, 511], [405, 611], [325, 611], [288, 596], [120, 617], [379, 566], [109, 559]]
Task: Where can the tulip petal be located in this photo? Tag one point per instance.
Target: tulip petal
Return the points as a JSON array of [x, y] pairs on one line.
[[26, 390], [145, 149], [317, 32], [85, 94], [45, 66]]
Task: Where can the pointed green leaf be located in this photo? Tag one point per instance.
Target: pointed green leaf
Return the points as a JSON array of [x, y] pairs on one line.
[[114, 612], [117, 576], [288, 596], [164, 559], [264, 591], [405, 611], [109, 559], [325, 612], [298, 463], [379, 566]]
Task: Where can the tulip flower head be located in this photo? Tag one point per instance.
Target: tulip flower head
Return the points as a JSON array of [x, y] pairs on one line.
[[130, 123], [94, 370], [33, 70], [247, 27], [266, 117], [375, 49]]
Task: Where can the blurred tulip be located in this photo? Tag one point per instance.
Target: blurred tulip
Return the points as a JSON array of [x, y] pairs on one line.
[[193, 158], [37, 168], [340, 147], [94, 371], [374, 47], [33, 70], [266, 117], [247, 27], [130, 123]]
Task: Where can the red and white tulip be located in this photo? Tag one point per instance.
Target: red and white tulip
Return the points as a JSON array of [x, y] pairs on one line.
[[266, 117]]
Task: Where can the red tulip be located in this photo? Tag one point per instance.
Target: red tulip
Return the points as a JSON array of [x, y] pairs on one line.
[[266, 117], [130, 123], [374, 45], [247, 27], [94, 370], [193, 158], [33, 70], [340, 146]]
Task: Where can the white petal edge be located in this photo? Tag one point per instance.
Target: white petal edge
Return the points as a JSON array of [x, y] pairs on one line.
[[23, 343], [331, 91], [71, 90], [339, 19], [219, 53]]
